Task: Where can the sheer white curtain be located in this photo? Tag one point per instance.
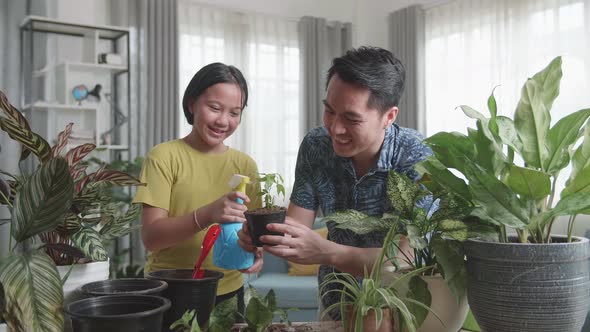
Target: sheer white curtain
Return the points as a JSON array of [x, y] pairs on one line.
[[474, 45], [266, 50]]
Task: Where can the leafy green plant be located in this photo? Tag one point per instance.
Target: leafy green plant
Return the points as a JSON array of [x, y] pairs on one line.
[[509, 166], [370, 295], [270, 182], [222, 319], [260, 311], [54, 213]]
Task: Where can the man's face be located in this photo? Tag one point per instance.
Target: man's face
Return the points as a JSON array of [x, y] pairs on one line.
[[356, 130]]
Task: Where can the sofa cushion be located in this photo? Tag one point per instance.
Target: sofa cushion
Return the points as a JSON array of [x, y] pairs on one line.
[[291, 292]]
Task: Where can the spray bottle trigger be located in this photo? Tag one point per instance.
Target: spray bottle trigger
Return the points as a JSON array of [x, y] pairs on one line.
[[239, 200]]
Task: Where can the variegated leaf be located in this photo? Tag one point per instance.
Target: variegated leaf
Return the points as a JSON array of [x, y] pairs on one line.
[[116, 177], [32, 280], [18, 117], [88, 240], [32, 141], [78, 172], [118, 227], [75, 155], [62, 140], [358, 222], [70, 224], [43, 200], [403, 193]]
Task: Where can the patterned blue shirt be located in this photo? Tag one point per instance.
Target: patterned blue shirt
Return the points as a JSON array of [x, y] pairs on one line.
[[329, 182]]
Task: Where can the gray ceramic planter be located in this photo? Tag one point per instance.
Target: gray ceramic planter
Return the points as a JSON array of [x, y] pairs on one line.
[[529, 287]]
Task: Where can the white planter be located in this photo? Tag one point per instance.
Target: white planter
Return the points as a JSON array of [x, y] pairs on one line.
[[445, 305], [3, 327], [82, 274]]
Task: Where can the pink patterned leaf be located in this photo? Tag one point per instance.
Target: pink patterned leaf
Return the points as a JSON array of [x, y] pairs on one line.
[[62, 140], [78, 153]]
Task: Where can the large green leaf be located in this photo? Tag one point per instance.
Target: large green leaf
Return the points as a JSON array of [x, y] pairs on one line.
[[472, 113], [581, 157], [528, 182], [450, 258], [489, 154], [32, 280], [418, 291], [580, 183], [507, 133], [89, 241], [561, 137], [451, 149], [258, 315], [572, 204], [549, 80], [499, 202], [440, 174], [531, 121], [43, 200]]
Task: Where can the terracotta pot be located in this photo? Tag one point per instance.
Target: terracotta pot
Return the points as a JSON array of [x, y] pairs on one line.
[[259, 218], [369, 321]]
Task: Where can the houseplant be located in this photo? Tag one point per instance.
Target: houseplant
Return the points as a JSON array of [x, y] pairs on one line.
[[533, 280], [435, 233], [269, 213], [53, 213]]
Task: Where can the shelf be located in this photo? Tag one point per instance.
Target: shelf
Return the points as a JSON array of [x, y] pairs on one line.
[[81, 66], [44, 106], [45, 24], [112, 147]]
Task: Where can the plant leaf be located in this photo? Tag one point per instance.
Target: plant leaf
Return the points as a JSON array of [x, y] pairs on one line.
[[581, 157], [472, 113], [549, 80], [88, 240], [258, 314], [418, 291], [75, 155], [62, 140], [507, 133], [18, 117], [450, 258], [498, 201], [117, 227], [30, 140], [446, 179], [116, 177], [415, 237], [489, 153], [581, 183], [223, 316], [451, 149], [453, 228], [32, 280], [572, 204], [531, 121], [402, 193], [43, 200], [358, 222], [561, 137], [528, 183]]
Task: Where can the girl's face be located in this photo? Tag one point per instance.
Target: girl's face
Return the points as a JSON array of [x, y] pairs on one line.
[[216, 115]]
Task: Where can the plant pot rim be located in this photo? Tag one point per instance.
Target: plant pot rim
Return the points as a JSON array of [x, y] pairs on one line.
[[164, 305], [87, 288], [575, 241], [214, 275]]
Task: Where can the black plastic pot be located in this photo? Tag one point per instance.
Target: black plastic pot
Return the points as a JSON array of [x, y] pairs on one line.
[[257, 222], [529, 287], [187, 293], [118, 313], [124, 287]]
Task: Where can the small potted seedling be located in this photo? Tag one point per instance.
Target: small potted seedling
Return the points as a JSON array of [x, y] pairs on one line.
[[269, 213]]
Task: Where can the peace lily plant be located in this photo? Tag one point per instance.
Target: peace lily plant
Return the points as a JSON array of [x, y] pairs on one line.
[[509, 166], [55, 215]]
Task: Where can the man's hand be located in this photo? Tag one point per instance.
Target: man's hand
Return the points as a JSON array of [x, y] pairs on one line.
[[300, 244]]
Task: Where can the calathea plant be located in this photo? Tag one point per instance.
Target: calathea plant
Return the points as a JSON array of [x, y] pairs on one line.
[[58, 214], [510, 166]]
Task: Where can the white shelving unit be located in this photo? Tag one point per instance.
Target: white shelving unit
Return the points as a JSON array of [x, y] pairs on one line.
[[58, 56]]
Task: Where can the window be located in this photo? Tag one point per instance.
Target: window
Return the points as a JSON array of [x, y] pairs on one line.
[[266, 50]]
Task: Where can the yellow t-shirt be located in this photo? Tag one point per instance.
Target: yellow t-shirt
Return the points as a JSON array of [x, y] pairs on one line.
[[181, 179]]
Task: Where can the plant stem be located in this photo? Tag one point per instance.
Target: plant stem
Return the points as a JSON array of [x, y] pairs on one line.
[[503, 237], [553, 184], [570, 227]]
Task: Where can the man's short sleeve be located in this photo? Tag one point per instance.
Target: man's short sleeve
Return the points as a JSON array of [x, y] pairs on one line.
[[304, 195]]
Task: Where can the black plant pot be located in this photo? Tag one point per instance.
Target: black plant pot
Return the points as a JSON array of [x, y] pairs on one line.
[[187, 293], [528, 287], [118, 313], [124, 286], [259, 218]]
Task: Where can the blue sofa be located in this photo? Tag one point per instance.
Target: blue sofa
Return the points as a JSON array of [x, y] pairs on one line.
[[299, 292]]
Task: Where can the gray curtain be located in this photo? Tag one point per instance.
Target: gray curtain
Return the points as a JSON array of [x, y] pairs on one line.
[[12, 14], [320, 42], [154, 96], [406, 33]]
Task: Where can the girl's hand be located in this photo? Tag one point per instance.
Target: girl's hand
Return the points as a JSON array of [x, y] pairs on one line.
[[226, 209]]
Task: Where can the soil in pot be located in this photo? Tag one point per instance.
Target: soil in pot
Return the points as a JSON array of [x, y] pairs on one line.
[[118, 313], [259, 218], [187, 293], [124, 286]]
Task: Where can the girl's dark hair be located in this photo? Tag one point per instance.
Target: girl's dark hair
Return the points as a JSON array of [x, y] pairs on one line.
[[375, 69], [210, 75]]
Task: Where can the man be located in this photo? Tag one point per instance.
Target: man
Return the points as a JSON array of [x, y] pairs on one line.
[[344, 165]]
